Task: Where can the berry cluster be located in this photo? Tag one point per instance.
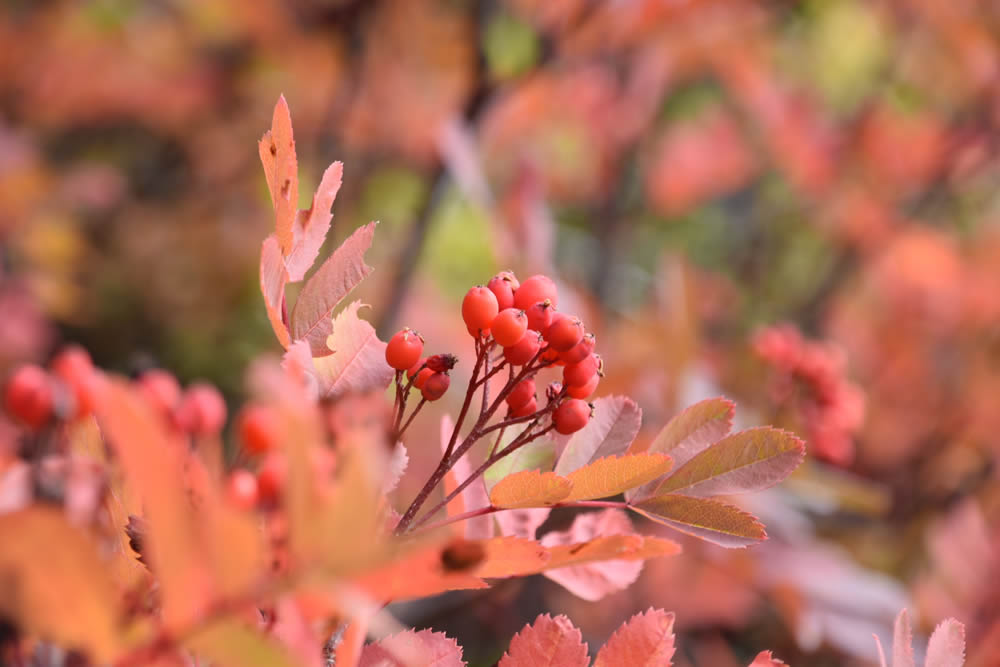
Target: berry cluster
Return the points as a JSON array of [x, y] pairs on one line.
[[71, 388], [811, 379]]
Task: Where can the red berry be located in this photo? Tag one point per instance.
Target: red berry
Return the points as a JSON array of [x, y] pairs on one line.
[[571, 415], [580, 351], [584, 390], [161, 390], [259, 429], [479, 307], [521, 394], [415, 368], [579, 374], [271, 477], [435, 386], [529, 408], [422, 378], [202, 410], [509, 327], [540, 316], [404, 349], [441, 363], [28, 396], [241, 489], [564, 332], [503, 285], [534, 289], [525, 350], [74, 367], [550, 355]]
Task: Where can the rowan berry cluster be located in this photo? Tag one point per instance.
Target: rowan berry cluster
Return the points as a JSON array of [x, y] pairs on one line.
[[811, 379]]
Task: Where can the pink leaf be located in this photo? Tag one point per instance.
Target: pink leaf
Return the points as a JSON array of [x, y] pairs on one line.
[[413, 649], [357, 363], [523, 522], [472, 497], [710, 520], [297, 362], [614, 426], [593, 581], [548, 642], [765, 659], [647, 640], [340, 273], [273, 278], [946, 647], [311, 226], [902, 642], [689, 432]]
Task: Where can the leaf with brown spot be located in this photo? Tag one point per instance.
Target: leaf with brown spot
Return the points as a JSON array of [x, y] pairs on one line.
[[277, 154], [511, 557]]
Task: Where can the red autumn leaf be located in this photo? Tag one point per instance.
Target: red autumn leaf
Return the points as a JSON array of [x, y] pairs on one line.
[[273, 278], [312, 224], [612, 429], [708, 519], [312, 316], [417, 574], [357, 362], [548, 642], [529, 488], [413, 649], [766, 659], [613, 475], [646, 640], [277, 154]]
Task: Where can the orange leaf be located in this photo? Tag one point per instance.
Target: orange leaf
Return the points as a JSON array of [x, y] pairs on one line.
[[548, 642], [612, 547], [710, 520], [611, 476], [277, 154], [529, 488], [511, 557], [419, 574], [646, 640]]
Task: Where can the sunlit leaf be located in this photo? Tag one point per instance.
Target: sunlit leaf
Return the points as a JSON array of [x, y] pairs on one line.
[[530, 488], [357, 364], [612, 429], [710, 520], [277, 154], [646, 640], [613, 475], [312, 225], [548, 642], [413, 649]]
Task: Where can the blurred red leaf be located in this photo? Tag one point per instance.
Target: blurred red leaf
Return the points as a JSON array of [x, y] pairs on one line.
[[548, 642], [413, 649], [646, 639], [766, 659]]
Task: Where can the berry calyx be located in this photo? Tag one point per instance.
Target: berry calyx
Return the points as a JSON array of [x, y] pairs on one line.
[[509, 327], [503, 285], [571, 415], [435, 386], [553, 390], [540, 316], [580, 351], [522, 393], [479, 308], [579, 374], [404, 349], [441, 363], [534, 289], [28, 396], [259, 430], [564, 332], [584, 390], [202, 410], [241, 489], [525, 350]]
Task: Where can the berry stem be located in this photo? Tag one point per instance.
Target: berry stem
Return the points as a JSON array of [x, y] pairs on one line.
[[413, 414], [482, 511]]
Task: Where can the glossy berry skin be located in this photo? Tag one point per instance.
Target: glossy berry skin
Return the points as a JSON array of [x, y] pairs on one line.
[[259, 429], [564, 332], [415, 368], [241, 489], [579, 374], [522, 393], [540, 316], [580, 351], [28, 396], [529, 408], [525, 350], [479, 307], [534, 289], [404, 349], [202, 410], [503, 285], [435, 386], [161, 390], [421, 379], [509, 327], [571, 415], [585, 390]]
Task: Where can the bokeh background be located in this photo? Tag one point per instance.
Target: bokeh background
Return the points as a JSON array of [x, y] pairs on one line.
[[794, 204]]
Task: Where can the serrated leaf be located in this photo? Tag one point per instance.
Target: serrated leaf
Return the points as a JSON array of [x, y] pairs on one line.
[[231, 644], [277, 154], [548, 642], [646, 640], [750, 460], [53, 584], [707, 519], [357, 364], [689, 432], [946, 647], [313, 224], [312, 315], [413, 649], [529, 488], [273, 278], [902, 641], [766, 659], [612, 429], [611, 476], [511, 557]]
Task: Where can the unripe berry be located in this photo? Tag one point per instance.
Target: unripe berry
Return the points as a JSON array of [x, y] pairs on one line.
[[271, 477], [571, 415], [534, 289], [202, 410], [435, 386], [579, 374], [580, 351], [540, 316], [529, 408], [241, 489], [404, 349], [564, 332], [259, 429], [525, 350], [521, 394], [503, 285], [161, 390], [586, 390], [28, 396], [509, 327], [479, 307]]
